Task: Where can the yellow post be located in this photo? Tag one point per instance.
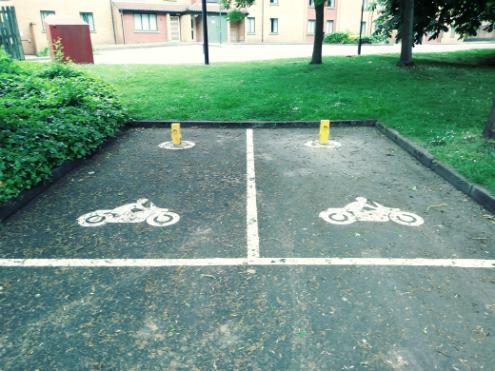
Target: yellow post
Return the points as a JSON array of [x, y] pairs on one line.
[[176, 136], [324, 131]]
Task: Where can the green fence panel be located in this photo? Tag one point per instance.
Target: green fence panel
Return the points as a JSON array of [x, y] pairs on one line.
[[10, 39]]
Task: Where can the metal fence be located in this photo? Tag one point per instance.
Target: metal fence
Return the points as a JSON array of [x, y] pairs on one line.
[[10, 38]]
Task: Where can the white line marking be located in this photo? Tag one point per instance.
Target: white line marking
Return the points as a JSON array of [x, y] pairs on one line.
[[253, 240], [151, 263]]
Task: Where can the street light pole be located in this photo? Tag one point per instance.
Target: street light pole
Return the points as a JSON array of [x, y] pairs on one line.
[[361, 28], [206, 50]]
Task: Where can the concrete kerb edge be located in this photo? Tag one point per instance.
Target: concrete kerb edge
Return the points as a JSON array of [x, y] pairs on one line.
[[10, 207], [480, 195], [477, 193], [247, 124]]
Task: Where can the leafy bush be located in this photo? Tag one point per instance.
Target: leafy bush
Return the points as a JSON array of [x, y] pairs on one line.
[[48, 117], [348, 38], [340, 38], [235, 16], [43, 53]]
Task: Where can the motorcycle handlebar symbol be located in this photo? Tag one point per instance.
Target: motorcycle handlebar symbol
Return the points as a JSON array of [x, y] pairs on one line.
[[141, 211], [364, 211]]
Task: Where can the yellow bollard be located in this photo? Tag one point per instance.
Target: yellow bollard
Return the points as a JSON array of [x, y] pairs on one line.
[[176, 136], [324, 131]]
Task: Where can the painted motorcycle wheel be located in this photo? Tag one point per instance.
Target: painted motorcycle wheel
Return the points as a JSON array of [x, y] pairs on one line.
[[406, 218], [92, 220], [338, 217], [163, 219]]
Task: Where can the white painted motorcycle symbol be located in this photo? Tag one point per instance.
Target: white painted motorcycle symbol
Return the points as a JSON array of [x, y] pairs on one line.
[[131, 213], [364, 211]]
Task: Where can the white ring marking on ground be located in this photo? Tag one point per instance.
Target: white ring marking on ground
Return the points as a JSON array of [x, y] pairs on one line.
[[253, 240], [316, 144], [184, 145], [155, 263]]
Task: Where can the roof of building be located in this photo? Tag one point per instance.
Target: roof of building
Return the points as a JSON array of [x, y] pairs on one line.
[[167, 6], [162, 6]]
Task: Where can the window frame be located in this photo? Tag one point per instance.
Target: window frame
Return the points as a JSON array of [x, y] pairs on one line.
[[273, 21], [311, 31], [249, 20], [363, 29], [92, 27], [44, 14], [148, 16], [333, 26]]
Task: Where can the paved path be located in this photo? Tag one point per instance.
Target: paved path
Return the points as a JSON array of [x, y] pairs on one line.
[[193, 54], [255, 200]]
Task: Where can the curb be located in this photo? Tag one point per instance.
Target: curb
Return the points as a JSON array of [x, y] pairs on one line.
[[205, 124], [477, 193], [12, 206]]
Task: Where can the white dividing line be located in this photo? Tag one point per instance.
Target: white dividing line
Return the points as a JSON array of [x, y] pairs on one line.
[[154, 263], [253, 240]]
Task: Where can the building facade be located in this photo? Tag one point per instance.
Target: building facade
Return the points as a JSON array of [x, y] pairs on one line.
[[30, 15], [151, 21]]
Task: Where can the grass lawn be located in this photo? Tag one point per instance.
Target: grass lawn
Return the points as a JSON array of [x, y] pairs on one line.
[[443, 104]]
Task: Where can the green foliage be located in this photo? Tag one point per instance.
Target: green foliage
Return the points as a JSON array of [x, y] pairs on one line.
[[235, 16], [340, 38], [229, 4], [445, 92], [58, 52], [431, 17], [43, 53], [48, 117], [7, 64], [348, 38]]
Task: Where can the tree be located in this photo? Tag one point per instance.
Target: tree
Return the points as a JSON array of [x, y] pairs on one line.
[[406, 32], [316, 57], [489, 131], [432, 17]]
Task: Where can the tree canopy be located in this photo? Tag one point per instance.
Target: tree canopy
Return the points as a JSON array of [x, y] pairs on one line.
[[431, 17]]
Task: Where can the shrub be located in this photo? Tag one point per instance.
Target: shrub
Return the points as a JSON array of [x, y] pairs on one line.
[[340, 38], [43, 53], [235, 16], [348, 38], [48, 117]]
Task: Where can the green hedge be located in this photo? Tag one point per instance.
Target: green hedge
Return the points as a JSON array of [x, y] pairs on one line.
[[348, 38], [48, 115]]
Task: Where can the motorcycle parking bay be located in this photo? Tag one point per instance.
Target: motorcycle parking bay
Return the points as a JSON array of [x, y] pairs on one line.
[[249, 250]]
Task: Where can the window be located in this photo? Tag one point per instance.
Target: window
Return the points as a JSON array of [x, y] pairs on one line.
[[274, 25], [329, 27], [88, 18], [363, 28], [251, 25], [44, 15], [311, 27], [273, 2], [329, 3], [145, 22]]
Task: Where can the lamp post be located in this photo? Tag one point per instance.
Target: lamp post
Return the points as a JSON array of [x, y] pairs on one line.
[[361, 28], [206, 50]]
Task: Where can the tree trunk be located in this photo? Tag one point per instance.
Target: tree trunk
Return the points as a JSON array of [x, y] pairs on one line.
[[318, 43], [489, 131], [407, 27]]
